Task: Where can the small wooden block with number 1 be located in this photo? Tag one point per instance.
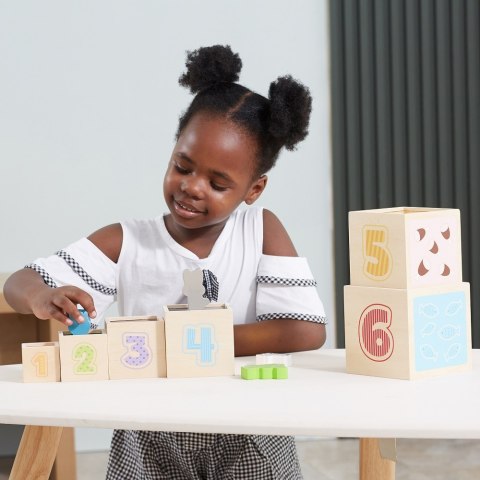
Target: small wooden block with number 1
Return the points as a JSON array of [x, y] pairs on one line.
[[41, 362]]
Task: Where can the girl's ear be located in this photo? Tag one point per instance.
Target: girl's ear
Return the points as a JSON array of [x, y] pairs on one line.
[[256, 189]]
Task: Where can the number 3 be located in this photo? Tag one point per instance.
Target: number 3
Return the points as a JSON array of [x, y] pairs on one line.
[[378, 260], [138, 345], [374, 334]]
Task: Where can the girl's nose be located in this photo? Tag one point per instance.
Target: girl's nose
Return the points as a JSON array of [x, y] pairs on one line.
[[193, 187]]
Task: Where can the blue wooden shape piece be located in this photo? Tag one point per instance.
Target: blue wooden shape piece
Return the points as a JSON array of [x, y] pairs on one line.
[[80, 328]]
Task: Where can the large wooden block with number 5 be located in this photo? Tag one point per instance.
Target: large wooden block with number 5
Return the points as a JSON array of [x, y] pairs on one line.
[[199, 343], [405, 247], [407, 333], [41, 362], [136, 347], [83, 357]]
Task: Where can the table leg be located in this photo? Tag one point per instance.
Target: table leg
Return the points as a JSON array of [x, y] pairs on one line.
[[65, 465], [372, 465], [36, 453]]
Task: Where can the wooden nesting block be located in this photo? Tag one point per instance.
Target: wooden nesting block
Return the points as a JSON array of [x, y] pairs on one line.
[[41, 362], [405, 247], [407, 333], [136, 347], [199, 343], [83, 357]]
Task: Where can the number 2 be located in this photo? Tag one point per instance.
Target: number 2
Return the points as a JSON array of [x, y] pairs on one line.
[[85, 355]]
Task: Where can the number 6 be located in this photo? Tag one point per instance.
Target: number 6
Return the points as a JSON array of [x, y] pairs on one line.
[[374, 334]]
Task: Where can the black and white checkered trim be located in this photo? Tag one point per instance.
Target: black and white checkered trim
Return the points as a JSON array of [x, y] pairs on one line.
[[211, 285], [75, 266], [46, 277], [290, 282], [294, 316]]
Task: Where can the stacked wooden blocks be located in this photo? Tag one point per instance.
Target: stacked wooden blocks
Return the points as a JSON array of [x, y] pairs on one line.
[[185, 343], [407, 312]]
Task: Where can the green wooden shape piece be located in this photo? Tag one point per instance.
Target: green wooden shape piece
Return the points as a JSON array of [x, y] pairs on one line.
[[264, 372]]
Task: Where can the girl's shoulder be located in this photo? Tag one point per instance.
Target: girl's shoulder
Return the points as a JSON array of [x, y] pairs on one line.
[[109, 240], [276, 240]]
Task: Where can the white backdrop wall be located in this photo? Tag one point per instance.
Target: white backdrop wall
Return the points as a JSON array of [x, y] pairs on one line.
[[89, 103]]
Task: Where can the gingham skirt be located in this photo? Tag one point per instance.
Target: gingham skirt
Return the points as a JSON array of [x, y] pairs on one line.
[[141, 455]]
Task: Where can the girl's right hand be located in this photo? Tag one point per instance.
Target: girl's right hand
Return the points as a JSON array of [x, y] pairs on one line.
[[59, 303]]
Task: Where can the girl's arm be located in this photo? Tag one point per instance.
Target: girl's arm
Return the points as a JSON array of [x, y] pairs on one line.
[[26, 292], [281, 335]]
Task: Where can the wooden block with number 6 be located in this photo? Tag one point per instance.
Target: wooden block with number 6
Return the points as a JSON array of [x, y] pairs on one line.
[[405, 247], [83, 357], [136, 347], [199, 343], [407, 333], [41, 362]]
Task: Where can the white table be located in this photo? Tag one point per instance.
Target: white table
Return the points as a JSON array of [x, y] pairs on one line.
[[319, 398]]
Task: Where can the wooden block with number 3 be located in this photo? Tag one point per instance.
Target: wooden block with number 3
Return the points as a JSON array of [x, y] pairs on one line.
[[407, 333], [83, 357], [41, 362], [405, 247], [136, 347], [199, 343]]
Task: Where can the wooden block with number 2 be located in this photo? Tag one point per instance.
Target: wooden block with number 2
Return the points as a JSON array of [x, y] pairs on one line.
[[84, 357]]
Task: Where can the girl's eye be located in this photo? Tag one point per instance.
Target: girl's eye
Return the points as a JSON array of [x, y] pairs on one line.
[[218, 188], [181, 170]]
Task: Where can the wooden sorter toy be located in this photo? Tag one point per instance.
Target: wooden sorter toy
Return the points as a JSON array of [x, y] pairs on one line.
[[407, 312], [185, 343]]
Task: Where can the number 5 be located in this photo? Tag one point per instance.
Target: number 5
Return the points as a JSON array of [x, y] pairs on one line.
[[378, 260]]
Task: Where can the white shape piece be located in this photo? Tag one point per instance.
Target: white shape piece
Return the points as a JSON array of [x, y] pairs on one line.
[[270, 358], [193, 288]]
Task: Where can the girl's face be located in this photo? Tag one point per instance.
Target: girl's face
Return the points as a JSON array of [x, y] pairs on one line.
[[211, 172]]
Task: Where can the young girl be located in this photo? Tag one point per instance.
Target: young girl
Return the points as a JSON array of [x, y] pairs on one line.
[[227, 140]]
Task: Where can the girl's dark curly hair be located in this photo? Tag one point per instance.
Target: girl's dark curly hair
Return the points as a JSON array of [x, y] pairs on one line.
[[281, 120]]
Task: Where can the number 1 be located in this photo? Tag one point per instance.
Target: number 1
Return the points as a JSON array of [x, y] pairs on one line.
[[40, 362]]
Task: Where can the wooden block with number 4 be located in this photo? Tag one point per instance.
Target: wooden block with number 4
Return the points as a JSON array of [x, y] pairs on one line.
[[405, 247], [407, 333], [83, 357], [199, 343], [41, 362], [136, 347]]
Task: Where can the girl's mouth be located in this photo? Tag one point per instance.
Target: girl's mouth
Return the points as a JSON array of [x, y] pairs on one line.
[[185, 210]]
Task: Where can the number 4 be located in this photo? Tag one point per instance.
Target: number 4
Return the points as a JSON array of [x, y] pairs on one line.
[[200, 340]]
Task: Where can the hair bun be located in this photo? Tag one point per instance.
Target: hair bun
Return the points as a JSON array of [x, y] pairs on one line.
[[208, 66], [290, 108]]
